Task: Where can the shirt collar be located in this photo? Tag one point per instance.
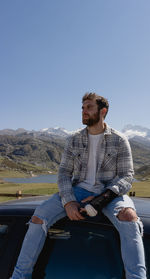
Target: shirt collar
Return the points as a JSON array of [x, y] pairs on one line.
[[85, 133], [107, 130]]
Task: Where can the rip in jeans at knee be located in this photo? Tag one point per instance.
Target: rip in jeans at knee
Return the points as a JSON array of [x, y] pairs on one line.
[[138, 221], [119, 209], [44, 224]]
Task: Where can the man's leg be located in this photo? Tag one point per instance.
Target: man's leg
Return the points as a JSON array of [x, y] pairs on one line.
[[44, 216], [121, 212]]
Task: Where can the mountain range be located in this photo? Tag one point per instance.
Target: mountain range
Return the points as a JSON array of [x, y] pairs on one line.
[[61, 132], [131, 131], [42, 149]]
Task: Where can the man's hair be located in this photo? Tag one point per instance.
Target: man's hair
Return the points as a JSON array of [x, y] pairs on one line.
[[101, 101]]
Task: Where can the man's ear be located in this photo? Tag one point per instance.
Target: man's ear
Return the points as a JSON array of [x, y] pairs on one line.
[[103, 112]]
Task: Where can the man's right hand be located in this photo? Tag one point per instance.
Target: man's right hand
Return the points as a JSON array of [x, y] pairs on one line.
[[72, 210]]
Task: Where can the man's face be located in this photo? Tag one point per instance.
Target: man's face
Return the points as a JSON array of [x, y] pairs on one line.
[[90, 113]]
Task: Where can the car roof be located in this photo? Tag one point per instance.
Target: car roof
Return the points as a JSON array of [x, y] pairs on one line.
[[33, 200], [26, 206]]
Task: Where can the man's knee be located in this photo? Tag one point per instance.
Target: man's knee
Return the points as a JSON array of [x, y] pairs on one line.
[[127, 214], [36, 220]]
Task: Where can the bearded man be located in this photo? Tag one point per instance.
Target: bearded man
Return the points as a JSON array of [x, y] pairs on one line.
[[96, 167]]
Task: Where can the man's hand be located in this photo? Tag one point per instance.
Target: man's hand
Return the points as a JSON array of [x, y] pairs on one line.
[[84, 210], [72, 210]]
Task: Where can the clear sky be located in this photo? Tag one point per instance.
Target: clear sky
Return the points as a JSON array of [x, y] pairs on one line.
[[53, 51]]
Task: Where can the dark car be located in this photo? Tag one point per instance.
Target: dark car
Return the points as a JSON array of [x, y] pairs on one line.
[[88, 249]]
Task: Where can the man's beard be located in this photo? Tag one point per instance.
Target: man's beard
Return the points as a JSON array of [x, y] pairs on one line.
[[92, 120]]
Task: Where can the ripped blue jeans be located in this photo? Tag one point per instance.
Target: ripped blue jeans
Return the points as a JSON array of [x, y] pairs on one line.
[[52, 210]]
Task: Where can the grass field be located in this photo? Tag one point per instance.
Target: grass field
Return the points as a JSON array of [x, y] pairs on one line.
[[141, 189], [26, 188]]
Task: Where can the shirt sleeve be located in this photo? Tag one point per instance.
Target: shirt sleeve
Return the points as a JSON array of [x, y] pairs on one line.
[[122, 183], [65, 174]]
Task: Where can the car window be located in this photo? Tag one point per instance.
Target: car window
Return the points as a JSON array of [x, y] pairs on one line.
[[82, 252]]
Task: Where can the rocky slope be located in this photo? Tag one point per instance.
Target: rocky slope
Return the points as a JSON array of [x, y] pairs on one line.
[[24, 150]]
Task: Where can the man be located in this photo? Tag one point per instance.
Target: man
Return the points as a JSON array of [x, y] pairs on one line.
[[96, 161]]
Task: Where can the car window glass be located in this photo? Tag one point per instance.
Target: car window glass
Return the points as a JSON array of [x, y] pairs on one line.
[[84, 253]]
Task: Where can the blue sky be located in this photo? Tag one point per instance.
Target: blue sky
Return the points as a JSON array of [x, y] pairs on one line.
[[53, 51]]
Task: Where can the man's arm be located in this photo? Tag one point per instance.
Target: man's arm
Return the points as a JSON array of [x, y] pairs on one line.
[[65, 183], [122, 183], [65, 174]]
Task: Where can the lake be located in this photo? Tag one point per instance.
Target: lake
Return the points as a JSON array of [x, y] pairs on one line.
[[47, 178]]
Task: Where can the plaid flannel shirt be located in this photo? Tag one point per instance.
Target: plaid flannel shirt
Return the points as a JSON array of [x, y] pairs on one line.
[[115, 165]]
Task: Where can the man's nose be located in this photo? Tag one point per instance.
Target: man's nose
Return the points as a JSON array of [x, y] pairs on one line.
[[84, 110]]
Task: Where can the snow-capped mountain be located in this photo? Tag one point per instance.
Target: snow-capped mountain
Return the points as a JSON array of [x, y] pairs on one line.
[[58, 131], [137, 133], [134, 132]]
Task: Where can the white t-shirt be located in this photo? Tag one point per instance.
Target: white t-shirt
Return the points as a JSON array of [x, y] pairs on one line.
[[94, 147]]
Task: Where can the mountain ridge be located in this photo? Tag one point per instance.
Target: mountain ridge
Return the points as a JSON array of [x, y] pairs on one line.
[[129, 130]]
